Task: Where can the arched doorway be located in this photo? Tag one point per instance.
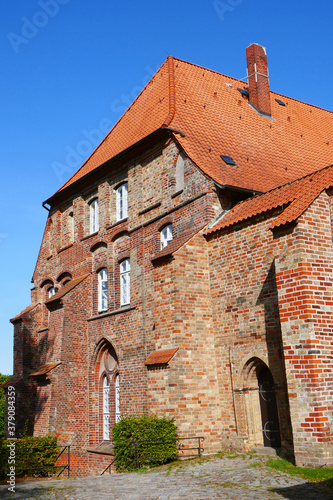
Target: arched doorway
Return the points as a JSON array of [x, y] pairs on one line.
[[261, 405]]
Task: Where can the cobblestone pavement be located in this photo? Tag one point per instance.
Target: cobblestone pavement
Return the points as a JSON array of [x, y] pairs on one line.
[[233, 479]]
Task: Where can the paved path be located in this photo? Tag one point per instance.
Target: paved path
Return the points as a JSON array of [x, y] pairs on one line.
[[227, 478]]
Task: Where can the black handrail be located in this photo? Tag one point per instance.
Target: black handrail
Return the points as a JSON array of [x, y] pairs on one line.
[[142, 458], [62, 449]]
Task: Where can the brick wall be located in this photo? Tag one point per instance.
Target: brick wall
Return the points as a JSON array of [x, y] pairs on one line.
[[70, 330], [248, 333], [304, 277]]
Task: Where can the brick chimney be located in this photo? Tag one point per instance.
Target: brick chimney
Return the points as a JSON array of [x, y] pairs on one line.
[[257, 74]]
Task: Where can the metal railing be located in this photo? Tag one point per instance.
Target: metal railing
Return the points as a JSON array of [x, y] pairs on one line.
[[59, 456], [138, 458]]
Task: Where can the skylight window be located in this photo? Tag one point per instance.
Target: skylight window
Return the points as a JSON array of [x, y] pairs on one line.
[[244, 92], [280, 102], [228, 160]]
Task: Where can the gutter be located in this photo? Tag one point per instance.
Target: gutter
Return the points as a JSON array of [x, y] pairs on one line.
[[252, 192]]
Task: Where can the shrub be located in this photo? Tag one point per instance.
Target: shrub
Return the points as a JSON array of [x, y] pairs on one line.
[[131, 434], [29, 455], [3, 379]]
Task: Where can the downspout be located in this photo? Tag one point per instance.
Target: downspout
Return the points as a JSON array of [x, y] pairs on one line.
[[330, 212], [232, 388]]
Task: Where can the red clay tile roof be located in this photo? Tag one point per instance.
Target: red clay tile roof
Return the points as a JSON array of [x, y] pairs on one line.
[[42, 370], [66, 288], [161, 357], [295, 196], [207, 107], [25, 311]]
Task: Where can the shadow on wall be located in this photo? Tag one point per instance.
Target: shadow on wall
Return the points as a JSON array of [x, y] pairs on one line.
[[33, 393], [268, 297]]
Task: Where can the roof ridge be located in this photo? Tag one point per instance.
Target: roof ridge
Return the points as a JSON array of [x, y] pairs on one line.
[[172, 93], [246, 83], [210, 70], [298, 100]]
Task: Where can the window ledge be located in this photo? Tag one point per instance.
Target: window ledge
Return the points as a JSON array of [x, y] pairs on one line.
[[177, 193], [112, 313], [43, 330], [103, 448], [89, 236], [117, 223], [64, 248], [148, 209]]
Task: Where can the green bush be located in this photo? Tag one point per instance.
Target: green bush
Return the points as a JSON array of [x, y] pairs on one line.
[[141, 429], [29, 455], [3, 379]]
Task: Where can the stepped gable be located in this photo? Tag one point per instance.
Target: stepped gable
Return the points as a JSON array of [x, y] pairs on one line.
[[217, 119]]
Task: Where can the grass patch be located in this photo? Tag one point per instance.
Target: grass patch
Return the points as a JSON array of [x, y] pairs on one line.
[[324, 475]]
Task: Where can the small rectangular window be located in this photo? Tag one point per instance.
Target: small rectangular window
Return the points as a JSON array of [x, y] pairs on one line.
[[166, 235], [102, 290], [122, 202], [125, 269], [94, 216]]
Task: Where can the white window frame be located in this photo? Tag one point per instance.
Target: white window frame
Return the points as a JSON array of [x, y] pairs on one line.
[[106, 409], [51, 291], [117, 399], [166, 235], [103, 290], [94, 216], [125, 282], [122, 201]]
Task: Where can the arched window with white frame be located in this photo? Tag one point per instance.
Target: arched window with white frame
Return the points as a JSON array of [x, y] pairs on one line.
[[94, 216], [106, 409], [122, 201], [51, 291], [117, 400], [109, 391], [166, 235], [102, 290], [125, 269]]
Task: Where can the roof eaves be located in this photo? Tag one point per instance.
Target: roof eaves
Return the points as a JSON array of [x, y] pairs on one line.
[[44, 369], [126, 151], [24, 312], [66, 289]]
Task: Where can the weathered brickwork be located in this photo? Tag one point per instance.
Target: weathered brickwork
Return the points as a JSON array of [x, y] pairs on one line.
[[187, 389], [272, 304], [68, 401], [248, 309], [248, 333], [304, 277]]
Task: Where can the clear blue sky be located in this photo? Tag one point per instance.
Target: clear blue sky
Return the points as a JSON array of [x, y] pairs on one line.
[[66, 65]]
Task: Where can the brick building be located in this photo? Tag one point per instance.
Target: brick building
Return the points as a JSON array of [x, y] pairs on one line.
[[186, 269]]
